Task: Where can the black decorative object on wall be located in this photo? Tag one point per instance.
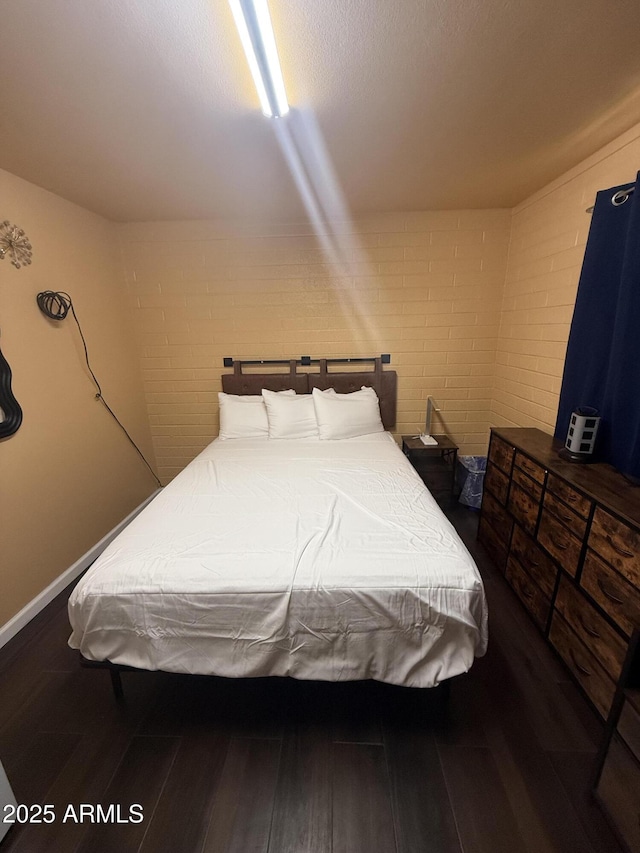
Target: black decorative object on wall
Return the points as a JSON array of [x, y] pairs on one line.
[[56, 306], [15, 244], [8, 403]]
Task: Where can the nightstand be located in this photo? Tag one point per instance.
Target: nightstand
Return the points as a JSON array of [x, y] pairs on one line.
[[436, 463]]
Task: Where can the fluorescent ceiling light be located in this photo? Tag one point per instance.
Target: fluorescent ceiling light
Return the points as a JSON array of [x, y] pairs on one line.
[[256, 33]]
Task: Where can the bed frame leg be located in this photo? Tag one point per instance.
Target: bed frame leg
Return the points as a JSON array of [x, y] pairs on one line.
[[116, 683]]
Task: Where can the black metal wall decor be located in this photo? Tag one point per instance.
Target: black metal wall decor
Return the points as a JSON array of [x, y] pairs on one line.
[[10, 407]]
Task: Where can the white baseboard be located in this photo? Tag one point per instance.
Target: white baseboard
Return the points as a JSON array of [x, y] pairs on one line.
[[30, 610]]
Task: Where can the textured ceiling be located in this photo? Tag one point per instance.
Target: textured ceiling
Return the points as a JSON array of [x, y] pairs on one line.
[[145, 109]]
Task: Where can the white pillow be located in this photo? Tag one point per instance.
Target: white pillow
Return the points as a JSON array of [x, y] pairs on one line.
[[290, 417], [244, 416], [347, 415]]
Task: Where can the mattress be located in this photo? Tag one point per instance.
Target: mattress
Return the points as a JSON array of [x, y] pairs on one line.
[[313, 559]]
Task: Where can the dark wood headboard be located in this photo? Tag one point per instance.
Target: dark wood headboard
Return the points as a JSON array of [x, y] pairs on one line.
[[384, 382]]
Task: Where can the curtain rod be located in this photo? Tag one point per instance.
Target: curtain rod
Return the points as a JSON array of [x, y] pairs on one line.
[[617, 198]]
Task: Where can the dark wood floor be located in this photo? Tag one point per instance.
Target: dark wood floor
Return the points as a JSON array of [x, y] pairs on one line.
[[278, 766]]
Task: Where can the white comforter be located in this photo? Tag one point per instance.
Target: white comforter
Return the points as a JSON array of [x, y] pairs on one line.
[[315, 559]]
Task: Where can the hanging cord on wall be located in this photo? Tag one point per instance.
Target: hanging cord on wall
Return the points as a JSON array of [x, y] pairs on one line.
[[56, 306]]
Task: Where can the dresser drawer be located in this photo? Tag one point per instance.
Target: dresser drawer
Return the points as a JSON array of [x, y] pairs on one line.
[[525, 482], [559, 542], [524, 507], [497, 483], [597, 635], [612, 592], [618, 543], [584, 666], [535, 471], [501, 454], [534, 561], [495, 513], [561, 489], [570, 519], [629, 727], [619, 791], [529, 593], [496, 544], [496, 547]]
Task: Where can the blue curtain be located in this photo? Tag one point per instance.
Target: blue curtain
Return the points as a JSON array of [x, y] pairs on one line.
[[602, 367]]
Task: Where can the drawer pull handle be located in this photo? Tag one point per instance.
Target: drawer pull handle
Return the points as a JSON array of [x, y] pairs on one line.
[[565, 517], [578, 666], [527, 593], [560, 545], [571, 498], [622, 551], [608, 594], [590, 631]]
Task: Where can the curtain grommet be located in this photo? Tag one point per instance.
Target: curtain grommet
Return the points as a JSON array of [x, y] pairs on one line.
[[620, 197]]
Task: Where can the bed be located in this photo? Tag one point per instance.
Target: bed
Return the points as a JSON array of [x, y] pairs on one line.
[[301, 557]]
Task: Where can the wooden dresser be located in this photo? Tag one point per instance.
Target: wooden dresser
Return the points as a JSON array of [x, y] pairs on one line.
[[617, 777], [567, 537]]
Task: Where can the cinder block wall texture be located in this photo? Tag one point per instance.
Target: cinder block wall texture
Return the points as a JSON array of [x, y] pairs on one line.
[[548, 238], [474, 306], [425, 287]]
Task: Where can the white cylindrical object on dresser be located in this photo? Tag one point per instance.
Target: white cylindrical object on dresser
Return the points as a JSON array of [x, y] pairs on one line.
[[6, 799], [583, 428]]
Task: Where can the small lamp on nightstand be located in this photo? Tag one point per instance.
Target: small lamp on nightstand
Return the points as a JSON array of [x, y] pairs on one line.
[[426, 437]]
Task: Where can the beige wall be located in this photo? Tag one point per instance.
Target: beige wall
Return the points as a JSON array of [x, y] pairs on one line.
[[425, 287], [548, 238], [68, 475], [430, 288], [474, 306]]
